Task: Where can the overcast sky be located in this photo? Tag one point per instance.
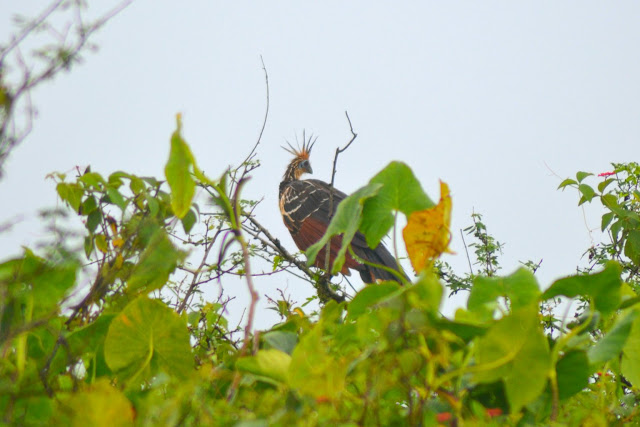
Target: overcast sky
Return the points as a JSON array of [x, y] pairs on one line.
[[492, 97]]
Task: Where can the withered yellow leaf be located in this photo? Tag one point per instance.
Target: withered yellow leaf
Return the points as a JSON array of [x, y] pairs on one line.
[[427, 234]]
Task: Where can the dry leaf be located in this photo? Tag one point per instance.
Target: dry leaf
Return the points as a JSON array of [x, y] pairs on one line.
[[427, 234]]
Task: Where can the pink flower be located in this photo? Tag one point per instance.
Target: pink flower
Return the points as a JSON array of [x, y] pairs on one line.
[[606, 173]]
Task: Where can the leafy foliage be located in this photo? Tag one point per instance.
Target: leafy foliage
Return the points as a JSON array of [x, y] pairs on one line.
[[113, 327]]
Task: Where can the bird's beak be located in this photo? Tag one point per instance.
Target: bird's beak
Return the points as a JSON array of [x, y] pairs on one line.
[[307, 168]]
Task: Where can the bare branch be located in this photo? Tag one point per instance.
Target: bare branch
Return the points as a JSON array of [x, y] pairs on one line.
[[333, 176], [53, 60], [322, 285]]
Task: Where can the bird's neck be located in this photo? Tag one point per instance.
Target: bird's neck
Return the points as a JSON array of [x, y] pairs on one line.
[[290, 173]]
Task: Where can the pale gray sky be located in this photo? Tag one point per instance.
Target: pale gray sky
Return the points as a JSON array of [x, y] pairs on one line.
[[483, 95]]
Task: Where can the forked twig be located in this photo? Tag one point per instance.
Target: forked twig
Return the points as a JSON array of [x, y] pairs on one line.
[[333, 176]]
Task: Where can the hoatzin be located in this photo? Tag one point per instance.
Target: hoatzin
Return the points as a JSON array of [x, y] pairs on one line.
[[305, 204]]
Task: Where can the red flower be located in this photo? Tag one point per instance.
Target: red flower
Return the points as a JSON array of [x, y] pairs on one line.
[[606, 173]]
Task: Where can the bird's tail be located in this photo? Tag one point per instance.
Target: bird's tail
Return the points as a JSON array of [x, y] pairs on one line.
[[381, 256]]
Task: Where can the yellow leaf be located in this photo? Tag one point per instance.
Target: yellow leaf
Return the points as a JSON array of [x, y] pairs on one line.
[[119, 261], [101, 243], [427, 234], [117, 242]]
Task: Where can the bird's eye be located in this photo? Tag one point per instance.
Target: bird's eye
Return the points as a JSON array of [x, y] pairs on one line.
[[304, 164]]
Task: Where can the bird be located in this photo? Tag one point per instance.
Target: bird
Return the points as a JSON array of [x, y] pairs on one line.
[[307, 209]]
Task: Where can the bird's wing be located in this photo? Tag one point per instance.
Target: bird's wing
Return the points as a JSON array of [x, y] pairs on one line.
[[308, 202]]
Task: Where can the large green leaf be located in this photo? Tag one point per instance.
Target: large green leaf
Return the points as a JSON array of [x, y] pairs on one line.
[[632, 246], [426, 294], [280, 340], [572, 373], [400, 191], [269, 363], [88, 341], [603, 287], [100, 405], [515, 350], [48, 282], [313, 371], [346, 221], [612, 343], [179, 171], [157, 262], [368, 297], [521, 288], [148, 337]]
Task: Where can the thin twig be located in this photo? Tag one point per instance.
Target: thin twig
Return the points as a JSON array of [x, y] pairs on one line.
[[196, 274], [246, 162], [466, 250], [333, 176], [12, 134], [266, 114], [325, 289], [16, 40]]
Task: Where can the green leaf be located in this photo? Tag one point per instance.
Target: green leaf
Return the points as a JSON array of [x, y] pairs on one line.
[[572, 373], [346, 221], [426, 294], [603, 287], [400, 190], [88, 206], [516, 351], [101, 243], [612, 343], [604, 184], [137, 185], [116, 198], [93, 220], [611, 202], [588, 193], [146, 338], [630, 366], [189, 220], [89, 342], [115, 179], [269, 363], [48, 282], [521, 288], [92, 179], [100, 405], [465, 331], [157, 262], [567, 182], [370, 296], [632, 246], [178, 173], [71, 194], [280, 340], [582, 175], [313, 371], [606, 220]]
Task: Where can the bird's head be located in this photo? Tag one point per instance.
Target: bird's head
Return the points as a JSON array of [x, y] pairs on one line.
[[300, 163]]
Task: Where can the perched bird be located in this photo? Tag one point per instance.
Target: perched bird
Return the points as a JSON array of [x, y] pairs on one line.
[[305, 208]]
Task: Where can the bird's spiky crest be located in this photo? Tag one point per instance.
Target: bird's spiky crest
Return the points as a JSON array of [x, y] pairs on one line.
[[304, 151]]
